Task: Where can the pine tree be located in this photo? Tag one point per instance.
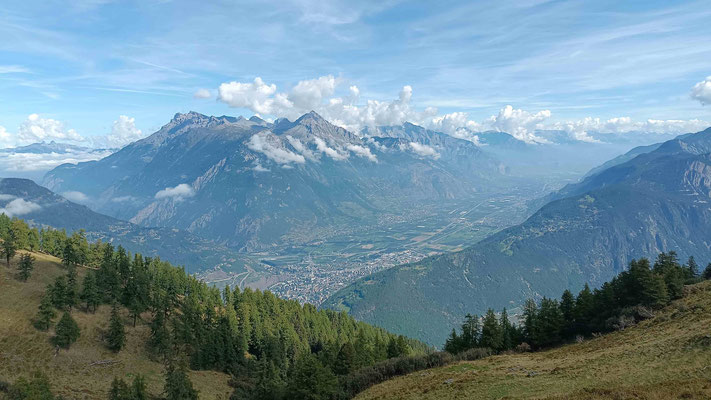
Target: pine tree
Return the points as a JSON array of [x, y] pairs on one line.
[[45, 314], [508, 331], [550, 323], [692, 269], [9, 247], [159, 341], [72, 293], [58, 292], [491, 334], [26, 265], [707, 272], [33, 240], [453, 344], [530, 321], [66, 332], [471, 332], [90, 292], [344, 360], [310, 380], [567, 308], [116, 336], [119, 390], [177, 383]]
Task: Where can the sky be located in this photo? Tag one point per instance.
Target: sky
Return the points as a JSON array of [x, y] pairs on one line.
[[104, 73]]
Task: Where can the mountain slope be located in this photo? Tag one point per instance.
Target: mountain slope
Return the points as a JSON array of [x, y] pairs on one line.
[[662, 358], [655, 202], [75, 373], [251, 184], [42, 208]]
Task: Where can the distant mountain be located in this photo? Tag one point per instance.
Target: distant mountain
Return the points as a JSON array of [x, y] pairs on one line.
[[656, 201], [251, 184], [34, 160], [40, 207]]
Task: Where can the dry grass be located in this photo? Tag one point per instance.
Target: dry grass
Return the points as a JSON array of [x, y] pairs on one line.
[[23, 349], [667, 357]]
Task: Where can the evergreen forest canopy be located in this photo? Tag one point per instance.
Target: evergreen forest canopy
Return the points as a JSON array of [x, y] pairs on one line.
[[273, 348], [631, 296]]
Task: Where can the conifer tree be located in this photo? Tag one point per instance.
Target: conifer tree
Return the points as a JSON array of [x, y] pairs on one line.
[[567, 308], [344, 360], [550, 322], [66, 332], [9, 247], [58, 292], [26, 265], [33, 240], [159, 341], [177, 383], [310, 380], [453, 343], [71, 297], [707, 272], [471, 332], [508, 331], [491, 334], [116, 336], [90, 292], [692, 269], [45, 314]]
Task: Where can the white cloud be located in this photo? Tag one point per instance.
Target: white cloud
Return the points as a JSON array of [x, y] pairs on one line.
[[6, 139], [256, 96], [519, 123], [122, 199], [259, 168], [702, 91], [261, 143], [77, 197], [301, 148], [333, 153], [579, 129], [320, 95], [202, 94], [309, 94], [13, 69], [123, 132], [362, 151], [29, 162], [19, 207], [177, 193], [424, 150], [36, 129], [6, 197]]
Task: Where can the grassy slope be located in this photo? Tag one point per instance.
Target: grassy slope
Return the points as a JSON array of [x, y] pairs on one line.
[[667, 357], [23, 349]]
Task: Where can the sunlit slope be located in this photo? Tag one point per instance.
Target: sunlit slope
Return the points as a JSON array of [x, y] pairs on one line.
[[667, 357], [86, 370]]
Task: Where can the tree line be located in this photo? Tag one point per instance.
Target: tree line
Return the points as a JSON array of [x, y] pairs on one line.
[[273, 348], [631, 296]]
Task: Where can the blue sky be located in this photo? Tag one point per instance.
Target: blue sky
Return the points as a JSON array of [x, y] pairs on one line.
[[82, 66]]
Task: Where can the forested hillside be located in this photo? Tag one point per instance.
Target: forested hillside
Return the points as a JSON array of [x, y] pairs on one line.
[[105, 302]]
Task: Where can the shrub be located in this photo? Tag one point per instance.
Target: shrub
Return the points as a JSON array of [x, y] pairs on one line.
[[473, 354], [523, 348]]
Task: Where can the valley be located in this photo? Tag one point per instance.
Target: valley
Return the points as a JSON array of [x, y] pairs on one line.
[[313, 271]]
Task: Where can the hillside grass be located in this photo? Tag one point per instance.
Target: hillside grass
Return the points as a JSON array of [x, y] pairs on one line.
[[24, 350], [667, 357]]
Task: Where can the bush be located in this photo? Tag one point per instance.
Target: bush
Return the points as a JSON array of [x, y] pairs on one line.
[[364, 378], [523, 348], [473, 354]]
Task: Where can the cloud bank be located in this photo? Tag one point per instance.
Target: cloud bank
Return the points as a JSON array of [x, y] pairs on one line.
[[18, 207], [351, 112], [177, 193], [702, 91]]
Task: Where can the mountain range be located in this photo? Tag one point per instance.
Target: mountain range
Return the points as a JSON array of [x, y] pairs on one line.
[[42, 208], [652, 200], [252, 184]]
